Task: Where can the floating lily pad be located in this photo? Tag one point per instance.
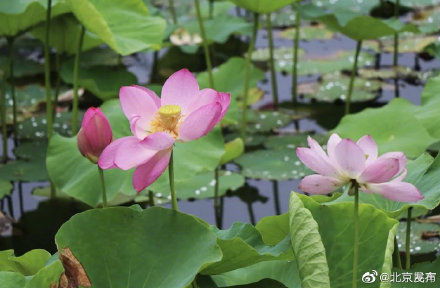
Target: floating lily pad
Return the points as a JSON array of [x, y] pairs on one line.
[[408, 43], [103, 81], [5, 188], [281, 55], [27, 264], [35, 127], [272, 165], [31, 150], [282, 142], [427, 19], [262, 6], [351, 5], [94, 57], [309, 33], [386, 73], [335, 87], [420, 240], [266, 121], [198, 187], [28, 171], [22, 67]]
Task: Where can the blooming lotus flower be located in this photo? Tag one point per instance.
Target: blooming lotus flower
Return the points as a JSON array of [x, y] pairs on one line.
[[95, 134], [183, 113], [347, 161]]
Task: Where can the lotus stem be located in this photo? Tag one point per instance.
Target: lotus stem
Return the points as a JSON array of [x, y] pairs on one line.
[[75, 82], [398, 261], [408, 240], [49, 114], [172, 11], [276, 198], [151, 199], [356, 235], [205, 44], [352, 78], [396, 51], [104, 193], [251, 213], [4, 120], [10, 206], [58, 57], [216, 197], [211, 9], [295, 54], [247, 76], [11, 83], [272, 62], [171, 177], [20, 197]]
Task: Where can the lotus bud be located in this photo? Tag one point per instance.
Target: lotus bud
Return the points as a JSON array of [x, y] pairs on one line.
[[95, 134]]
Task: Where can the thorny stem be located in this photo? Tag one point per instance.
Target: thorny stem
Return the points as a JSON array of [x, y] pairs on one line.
[[247, 77], [171, 177], [272, 62], [75, 82], [352, 78]]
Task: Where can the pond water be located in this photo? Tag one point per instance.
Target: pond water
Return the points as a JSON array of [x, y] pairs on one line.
[[38, 221]]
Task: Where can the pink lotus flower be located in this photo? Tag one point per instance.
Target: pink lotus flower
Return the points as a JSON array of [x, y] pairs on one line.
[[347, 161], [183, 113], [95, 134]]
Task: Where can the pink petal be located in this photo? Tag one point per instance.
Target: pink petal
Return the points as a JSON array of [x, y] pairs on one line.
[[107, 158], [180, 89], [147, 173], [140, 127], [225, 101], [318, 184], [200, 122], [396, 191], [401, 176], [132, 152], [381, 170], [138, 101], [369, 147], [208, 96], [314, 145], [316, 162], [398, 155], [350, 158], [331, 145]]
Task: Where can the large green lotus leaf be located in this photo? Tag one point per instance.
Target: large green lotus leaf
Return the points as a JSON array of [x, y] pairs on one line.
[[77, 177], [21, 170], [307, 245], [385, 126], [281, 142], [19, 16], [267, 121], [282, 164], [64, 35], [427, 20], [12, 279], [243, 246], [23, 67], [126, 247], [103, 81], [418, 169], [27, 264], [423, 268], [419, 3], [200, 186], [352, 5], [408, 43], [285, 272], [5, 188], [35, 128], [336, 226], [233, 149], [420, 243], [28, 100], [428, 112], [124, 25], [95, 57], [262, 6], [219, 29], [335, 86], [48, 276]]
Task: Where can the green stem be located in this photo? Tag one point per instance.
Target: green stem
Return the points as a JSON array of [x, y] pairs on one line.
[[247, 77], [75, 83], [251, 212], [396, 253], [171, 177], [58, 83], [205, 44], [173, 11], [295, 54], [104, 194], [272, 62], [356, 235], [276, 198], [211, 9], [49, 114], [11, 83], [352, 78], [4, 120], [216, 198], [408, 240], [151, 198]]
